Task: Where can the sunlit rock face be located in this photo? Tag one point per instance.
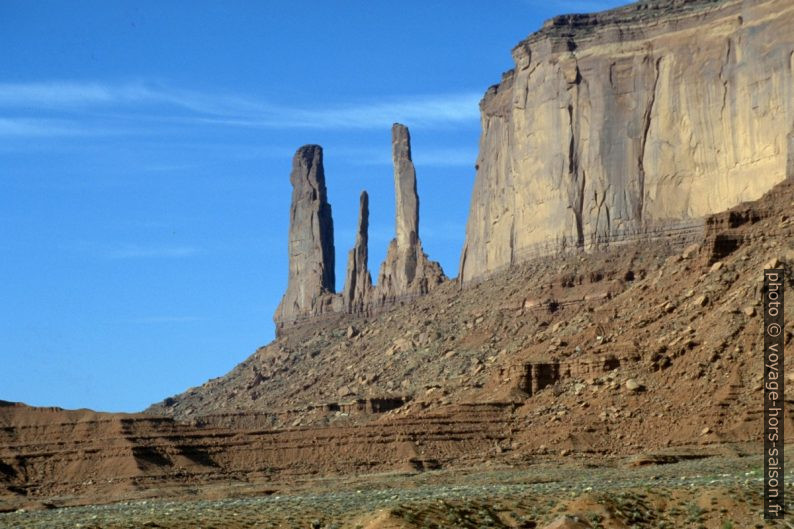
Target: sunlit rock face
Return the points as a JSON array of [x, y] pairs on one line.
[[656, 112]]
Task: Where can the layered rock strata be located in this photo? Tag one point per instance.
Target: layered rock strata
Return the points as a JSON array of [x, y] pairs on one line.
[[625, 120], [79, 456]]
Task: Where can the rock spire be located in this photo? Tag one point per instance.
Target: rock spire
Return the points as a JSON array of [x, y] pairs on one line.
[[406, 270], [311, 240], [405, 196], [358, 282]]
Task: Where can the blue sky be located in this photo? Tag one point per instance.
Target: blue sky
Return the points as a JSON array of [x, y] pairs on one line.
[[145, 150]]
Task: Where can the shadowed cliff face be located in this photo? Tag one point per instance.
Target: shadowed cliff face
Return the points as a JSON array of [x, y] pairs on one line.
[[311, 238], [631, 118]]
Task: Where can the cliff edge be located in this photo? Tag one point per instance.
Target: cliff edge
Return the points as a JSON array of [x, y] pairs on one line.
[[655, 113]]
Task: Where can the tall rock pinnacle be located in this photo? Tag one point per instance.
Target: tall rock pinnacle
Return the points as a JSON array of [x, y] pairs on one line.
[[405, 195], [358, 282], [311, 240], [406, 270]]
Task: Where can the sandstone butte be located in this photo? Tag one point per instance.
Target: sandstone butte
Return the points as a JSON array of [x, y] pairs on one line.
[[651, 114], [659, 114]]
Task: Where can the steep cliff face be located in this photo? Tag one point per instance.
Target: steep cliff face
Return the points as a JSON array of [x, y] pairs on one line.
[[625, 120]]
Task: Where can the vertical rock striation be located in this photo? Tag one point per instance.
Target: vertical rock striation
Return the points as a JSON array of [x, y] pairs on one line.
[[358, 283], [406, 269], [311, 281], [631, 119], [790, 166]]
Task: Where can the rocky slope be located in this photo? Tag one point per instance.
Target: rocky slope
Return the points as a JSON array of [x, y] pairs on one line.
[[620, 121], [649, 343], [677, 314], [650, 346]]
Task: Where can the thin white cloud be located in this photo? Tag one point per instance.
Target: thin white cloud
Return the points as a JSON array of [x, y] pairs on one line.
[[137, 251], [131, 250], [70, 95], [137, 100], [434, 157], [416, 111], [35, 127], [55, 94]]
